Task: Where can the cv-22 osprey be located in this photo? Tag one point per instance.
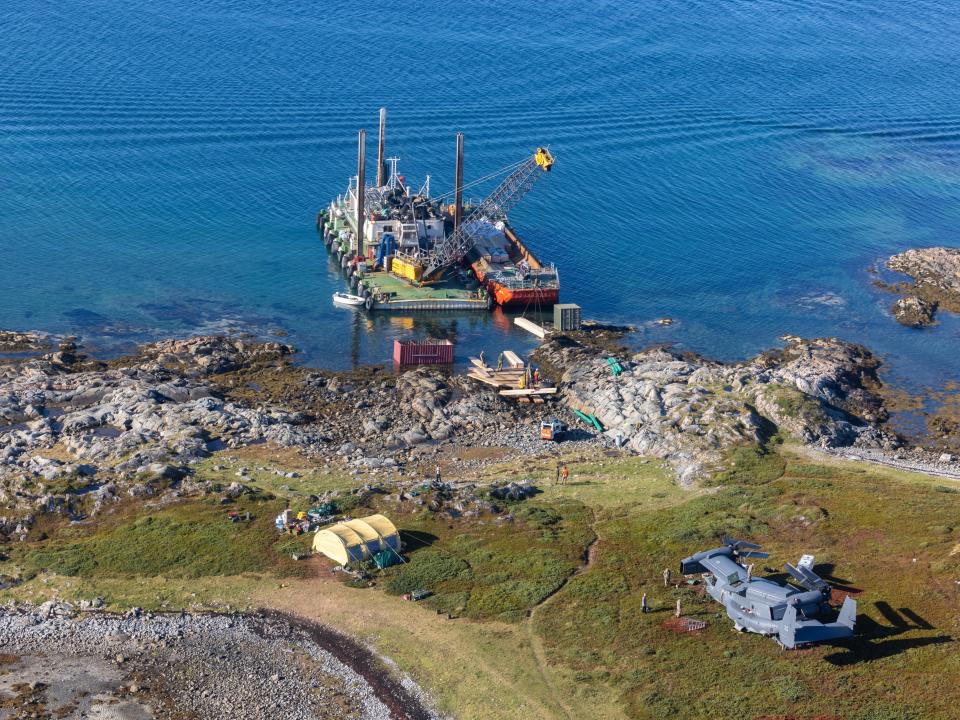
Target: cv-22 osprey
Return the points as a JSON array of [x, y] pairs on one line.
[[795, 616]]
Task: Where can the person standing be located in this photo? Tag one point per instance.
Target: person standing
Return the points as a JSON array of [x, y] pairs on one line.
[[678, 607], [438, 474], [483, 358], [644, 608], [565, 473], [557, 481], [500, 362], [666, 577]]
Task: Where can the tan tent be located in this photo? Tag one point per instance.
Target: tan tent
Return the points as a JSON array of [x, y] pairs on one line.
[[356, 540]]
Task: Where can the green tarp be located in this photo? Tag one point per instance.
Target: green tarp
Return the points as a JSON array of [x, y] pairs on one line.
[[385, 558]]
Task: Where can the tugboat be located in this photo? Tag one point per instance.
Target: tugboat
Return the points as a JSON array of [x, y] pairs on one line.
[[405, 250]]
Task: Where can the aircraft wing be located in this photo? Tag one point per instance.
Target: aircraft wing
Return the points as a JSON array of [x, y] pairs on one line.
[[724, 567]]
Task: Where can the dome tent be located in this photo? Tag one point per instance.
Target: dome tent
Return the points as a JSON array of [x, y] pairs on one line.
[[357, 540]]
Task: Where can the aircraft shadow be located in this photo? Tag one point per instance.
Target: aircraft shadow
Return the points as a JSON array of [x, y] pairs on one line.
[[874, 641]]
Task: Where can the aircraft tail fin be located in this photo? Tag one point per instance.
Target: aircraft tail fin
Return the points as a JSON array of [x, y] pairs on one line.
[[848, 613], [788, 627]]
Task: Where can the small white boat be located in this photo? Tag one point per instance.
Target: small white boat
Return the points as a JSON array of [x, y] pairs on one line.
[[340, 298]]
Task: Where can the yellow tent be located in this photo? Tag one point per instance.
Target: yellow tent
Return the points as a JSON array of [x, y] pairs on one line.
[[356, 540]]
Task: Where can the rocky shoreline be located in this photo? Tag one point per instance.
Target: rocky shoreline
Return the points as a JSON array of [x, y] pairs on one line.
[[935, 273], [59, 662], [689, 411], [77, 434]]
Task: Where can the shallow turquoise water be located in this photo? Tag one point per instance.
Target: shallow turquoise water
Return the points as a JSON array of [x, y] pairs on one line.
[[734, 165]]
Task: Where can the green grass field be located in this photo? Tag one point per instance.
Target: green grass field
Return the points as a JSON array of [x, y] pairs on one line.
[[576, 632]]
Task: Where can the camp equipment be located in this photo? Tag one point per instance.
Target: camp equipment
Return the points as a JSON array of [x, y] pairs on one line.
[[357, 540]]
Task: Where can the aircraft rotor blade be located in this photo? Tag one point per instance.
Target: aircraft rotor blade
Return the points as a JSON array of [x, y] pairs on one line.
[[755, 554], [806, 578], [738, 544]]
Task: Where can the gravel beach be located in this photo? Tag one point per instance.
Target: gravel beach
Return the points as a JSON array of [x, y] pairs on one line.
[[60, 663]]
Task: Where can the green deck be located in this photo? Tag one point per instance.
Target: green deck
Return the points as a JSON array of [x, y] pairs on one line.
[[402, 290], [445, 295]]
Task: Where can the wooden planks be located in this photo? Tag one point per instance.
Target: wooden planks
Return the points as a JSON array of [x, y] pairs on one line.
[[508, 379], [479, 364], [485, 379], [512, 359], [530, 327], [520, 392]]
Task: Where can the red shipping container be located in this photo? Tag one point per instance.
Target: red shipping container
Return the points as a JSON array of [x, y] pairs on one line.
[[422, 352]]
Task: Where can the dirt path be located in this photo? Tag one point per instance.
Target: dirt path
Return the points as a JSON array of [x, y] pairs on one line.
[[539, 652]]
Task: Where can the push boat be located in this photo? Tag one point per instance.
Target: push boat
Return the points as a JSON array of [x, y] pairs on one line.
[[403, 249]]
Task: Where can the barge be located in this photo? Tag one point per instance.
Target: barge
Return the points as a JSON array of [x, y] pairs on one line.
[[405, 250]]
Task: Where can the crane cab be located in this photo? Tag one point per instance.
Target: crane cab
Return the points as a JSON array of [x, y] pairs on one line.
[[544, 158]]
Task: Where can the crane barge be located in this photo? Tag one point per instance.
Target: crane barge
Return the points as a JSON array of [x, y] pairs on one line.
[[404, 250]]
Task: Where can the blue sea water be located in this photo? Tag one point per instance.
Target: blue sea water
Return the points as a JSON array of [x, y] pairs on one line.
[[735, 165]]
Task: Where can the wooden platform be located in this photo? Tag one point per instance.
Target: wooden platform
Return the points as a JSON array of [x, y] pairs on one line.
[[507, 380]]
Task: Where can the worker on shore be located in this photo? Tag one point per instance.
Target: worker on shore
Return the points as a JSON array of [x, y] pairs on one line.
[[437, 475], [565, 473], [749, 572], [500, 362], [666, 577], [678, 607], [536, 377], [644, 608]]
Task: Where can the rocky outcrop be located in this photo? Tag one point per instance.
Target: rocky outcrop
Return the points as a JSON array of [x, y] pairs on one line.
[[936, 275], [135, 426], [12, 341], [204, 356], [68, 422], [126, 427], [689, 411], [914, 312]]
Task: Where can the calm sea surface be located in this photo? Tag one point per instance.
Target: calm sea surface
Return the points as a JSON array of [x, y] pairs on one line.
[[734, 165]]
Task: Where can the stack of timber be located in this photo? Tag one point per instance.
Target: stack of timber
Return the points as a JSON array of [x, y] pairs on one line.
[[530, 327], [508, 380]]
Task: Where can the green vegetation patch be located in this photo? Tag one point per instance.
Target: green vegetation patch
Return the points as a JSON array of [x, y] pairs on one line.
[[432, 568], [188, 540], [497, 572], [750, 465], [888, 538]]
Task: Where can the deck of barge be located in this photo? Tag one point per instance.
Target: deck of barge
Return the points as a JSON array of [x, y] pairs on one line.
[[446, 295]]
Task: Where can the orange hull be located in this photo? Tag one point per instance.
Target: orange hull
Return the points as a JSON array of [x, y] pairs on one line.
[[543, 296], [506, 296]]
